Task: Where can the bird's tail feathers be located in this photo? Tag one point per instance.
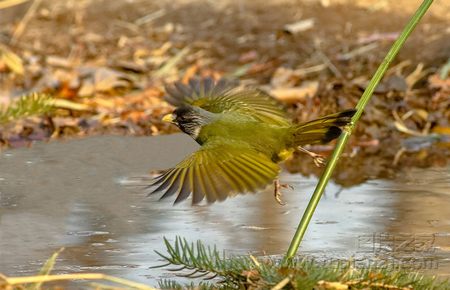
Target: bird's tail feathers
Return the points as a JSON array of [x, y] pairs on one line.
[[322, 130]]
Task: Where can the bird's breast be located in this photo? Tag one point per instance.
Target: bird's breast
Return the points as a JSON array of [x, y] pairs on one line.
[[263, 137]]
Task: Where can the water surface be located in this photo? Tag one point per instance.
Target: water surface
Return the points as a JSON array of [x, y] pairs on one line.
[[72, 194]]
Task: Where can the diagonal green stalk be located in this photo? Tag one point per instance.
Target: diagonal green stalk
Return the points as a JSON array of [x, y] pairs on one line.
[[342, 141]]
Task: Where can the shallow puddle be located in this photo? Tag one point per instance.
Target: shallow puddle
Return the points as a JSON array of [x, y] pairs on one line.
[[74, 195]]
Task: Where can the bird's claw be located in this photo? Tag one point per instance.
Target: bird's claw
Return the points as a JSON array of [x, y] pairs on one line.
[[318, 159], [277, 192], [278, 198]]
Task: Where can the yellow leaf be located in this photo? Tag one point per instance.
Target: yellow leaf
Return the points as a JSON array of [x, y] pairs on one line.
[[422, 113], [65, 104], [11, 60], [331, 285], [9, 3], [441, 130]]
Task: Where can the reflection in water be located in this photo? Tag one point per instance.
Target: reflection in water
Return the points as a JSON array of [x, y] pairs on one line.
[[68, 194]]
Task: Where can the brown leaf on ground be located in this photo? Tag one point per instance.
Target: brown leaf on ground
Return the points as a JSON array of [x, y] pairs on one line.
[[308, 89], [436, 82], [108, 67]]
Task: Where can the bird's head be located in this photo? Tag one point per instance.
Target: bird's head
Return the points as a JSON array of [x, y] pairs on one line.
[[189, 119]]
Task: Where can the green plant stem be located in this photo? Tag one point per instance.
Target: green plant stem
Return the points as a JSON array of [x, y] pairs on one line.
[[342, 141]]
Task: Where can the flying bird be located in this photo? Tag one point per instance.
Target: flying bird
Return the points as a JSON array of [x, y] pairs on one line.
[[243, 132]]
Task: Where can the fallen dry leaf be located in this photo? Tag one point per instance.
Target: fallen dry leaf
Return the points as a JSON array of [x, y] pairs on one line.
[[190, 72], [416, 75], [11, 60], [299, 26], [293, 95], [66, 104], [436, 82], [106, 80], [322, 285], [248, 56], [441, 130]]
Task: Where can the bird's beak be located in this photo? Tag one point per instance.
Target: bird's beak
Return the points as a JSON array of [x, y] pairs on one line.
[[169, 118]]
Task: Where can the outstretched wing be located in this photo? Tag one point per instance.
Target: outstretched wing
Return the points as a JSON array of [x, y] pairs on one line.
[[217, 171], [225, 96]]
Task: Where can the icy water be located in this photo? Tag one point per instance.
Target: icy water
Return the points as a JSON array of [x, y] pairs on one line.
[[73, 195]]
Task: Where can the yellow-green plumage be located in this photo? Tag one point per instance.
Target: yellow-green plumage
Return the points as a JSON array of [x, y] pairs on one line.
[[244, 133]]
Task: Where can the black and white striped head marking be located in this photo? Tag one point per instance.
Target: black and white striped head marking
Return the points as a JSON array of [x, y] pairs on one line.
[[190, 119]]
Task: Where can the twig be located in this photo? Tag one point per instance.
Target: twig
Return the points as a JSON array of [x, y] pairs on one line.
[[9, 3], [343, 139], [358, 51], [329, 64], [83, 276], [171, 63], [282, 283], [150, 17], [312, 69], [23, 23]]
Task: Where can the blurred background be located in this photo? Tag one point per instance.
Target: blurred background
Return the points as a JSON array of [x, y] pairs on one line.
[[106, 62], [104, 65]]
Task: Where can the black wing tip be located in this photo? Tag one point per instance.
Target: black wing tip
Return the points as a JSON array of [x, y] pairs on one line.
[[151, 190], [347, 113], [161, 184], [344, 118], [332, 133], [157, 183]]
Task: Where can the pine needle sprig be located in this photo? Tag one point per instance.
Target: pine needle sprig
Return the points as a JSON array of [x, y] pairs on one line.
[[200, 261], [250, 272], [25, 106]]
